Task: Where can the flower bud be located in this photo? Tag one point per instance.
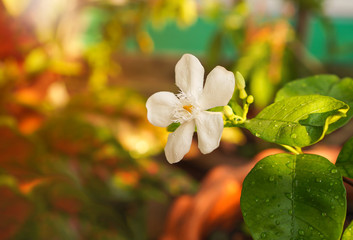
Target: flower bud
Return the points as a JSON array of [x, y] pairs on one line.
[[242, 94], [228, 112], [239, 81], [250, 99]]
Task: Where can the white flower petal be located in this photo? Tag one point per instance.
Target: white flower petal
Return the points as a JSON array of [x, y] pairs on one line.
[[218, 90], [209, 130], [179, 142], [189, 75], [160, 107]]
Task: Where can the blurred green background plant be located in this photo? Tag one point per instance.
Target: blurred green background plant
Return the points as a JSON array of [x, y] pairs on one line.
[[79, 159]]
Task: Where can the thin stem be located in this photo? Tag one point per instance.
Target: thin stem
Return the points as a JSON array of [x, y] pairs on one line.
[[348, 181], [245, 112], [299, 150], [292, 149]]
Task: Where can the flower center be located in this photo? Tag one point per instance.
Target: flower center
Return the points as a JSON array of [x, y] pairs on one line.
[[188, 108]]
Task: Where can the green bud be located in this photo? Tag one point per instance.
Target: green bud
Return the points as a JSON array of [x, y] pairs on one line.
[[242, 94], [239, 80], [228, 112], [250, 99]]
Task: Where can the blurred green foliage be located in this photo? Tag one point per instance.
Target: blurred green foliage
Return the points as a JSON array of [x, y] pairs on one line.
[[77, 151]]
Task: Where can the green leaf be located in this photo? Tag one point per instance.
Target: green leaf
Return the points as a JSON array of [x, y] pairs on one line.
[[345, 159], [297, 121], [348, 233], [172, 127], [294, 197], [326, 85]]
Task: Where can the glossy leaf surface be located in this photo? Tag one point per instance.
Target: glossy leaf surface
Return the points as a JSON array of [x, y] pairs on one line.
[[345, 159], [294, 197], [348, 233], [326, 85], [297, 121]]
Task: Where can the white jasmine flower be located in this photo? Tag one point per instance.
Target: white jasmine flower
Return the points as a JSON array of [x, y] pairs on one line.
[[190, 105]]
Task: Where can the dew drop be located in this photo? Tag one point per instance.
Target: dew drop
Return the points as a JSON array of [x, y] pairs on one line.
[[263, 235], [277, 222], [323, 214], [276, 125], [271, 178], [308, 190], [267, 200], [272, 216], [301, 232], [256, 200], [334, 170], [290, 212], [318, 180], [336, 197], [257, 134], [293, 135]]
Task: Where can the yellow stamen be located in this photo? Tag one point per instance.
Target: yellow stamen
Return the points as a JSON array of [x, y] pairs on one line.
[[188, 108]]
